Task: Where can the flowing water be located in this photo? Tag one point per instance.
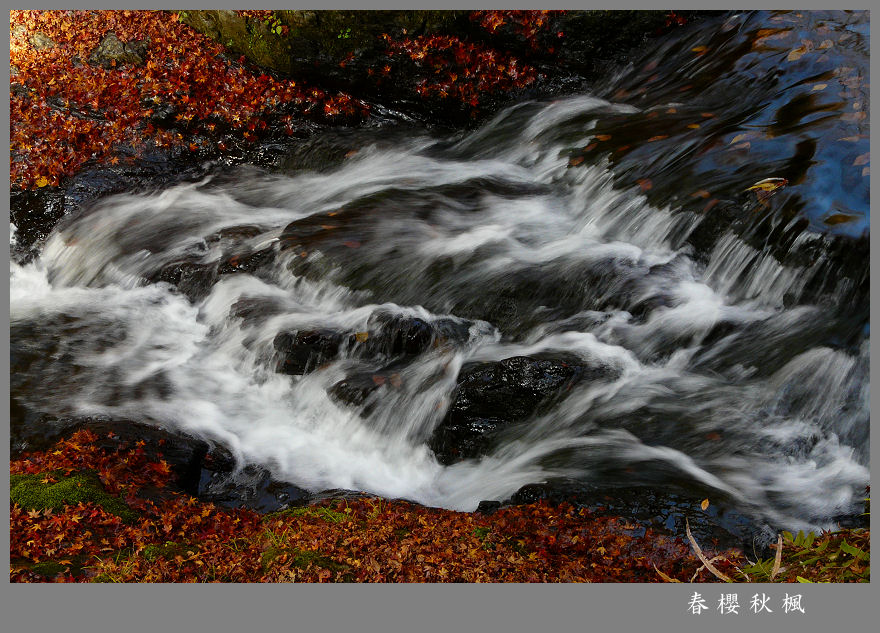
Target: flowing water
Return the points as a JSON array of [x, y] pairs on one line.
[[741, 361]]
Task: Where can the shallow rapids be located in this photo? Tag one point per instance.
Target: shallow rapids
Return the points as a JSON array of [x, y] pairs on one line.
[[738, 377]]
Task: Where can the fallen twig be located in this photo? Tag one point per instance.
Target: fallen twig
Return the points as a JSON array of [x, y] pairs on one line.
[[700, 555], [778, 560]]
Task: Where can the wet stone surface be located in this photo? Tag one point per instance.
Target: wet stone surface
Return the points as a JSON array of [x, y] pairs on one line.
[[493, 396]]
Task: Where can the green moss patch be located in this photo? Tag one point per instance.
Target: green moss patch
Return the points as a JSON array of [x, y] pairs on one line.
[[318, 512], [55, 490], [168, 550], [302, 558]]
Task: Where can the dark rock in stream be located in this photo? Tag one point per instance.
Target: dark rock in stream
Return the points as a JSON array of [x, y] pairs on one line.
[[195, 279], [191, 279], [492, 396], [300, 352], [251, 487], [388, 337]]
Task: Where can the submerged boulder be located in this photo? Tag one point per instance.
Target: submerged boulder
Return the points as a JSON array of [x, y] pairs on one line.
[[301, 351], [493, 396], [388, 337]]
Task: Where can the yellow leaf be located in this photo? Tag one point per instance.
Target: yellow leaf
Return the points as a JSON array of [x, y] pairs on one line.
[[738, 138], [694, 126], [42, 181], [796, 54], [768, 184], [839, 218], [361, 336], [819, 87], [704, 504], [826, 44], [699, 49]]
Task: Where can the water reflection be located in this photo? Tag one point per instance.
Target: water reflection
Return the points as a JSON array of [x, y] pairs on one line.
[[782, 94]]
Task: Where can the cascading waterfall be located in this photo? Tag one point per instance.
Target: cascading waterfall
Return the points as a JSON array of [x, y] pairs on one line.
[[727, 376]]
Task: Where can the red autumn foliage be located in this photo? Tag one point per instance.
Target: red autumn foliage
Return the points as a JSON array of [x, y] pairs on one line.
[[65, 111], [526, 24], [462, 70], [178, 538]]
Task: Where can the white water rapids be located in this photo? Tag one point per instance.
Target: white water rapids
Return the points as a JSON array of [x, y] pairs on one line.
[[496, 205]]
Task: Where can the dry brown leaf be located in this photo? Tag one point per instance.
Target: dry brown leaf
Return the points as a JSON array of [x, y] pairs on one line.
[[862, 159], [839, 218], [664, 576], [704, 503], [360, 337], [819, 87]]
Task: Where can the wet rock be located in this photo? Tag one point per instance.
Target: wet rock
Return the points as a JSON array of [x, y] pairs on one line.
[[162, 114], [394, 335], [112, 52], [301, 351], [388, 338], [488, 507], [354, 390], [493, 396], [41, 41], [248, 262], [251, 487], [34, 213], [191, 279]]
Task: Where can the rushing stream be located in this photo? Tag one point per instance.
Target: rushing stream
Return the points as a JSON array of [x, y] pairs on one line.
[[735, 359]]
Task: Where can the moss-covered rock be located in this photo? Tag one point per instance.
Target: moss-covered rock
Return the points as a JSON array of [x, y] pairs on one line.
[[309, 43], [55, 490]]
